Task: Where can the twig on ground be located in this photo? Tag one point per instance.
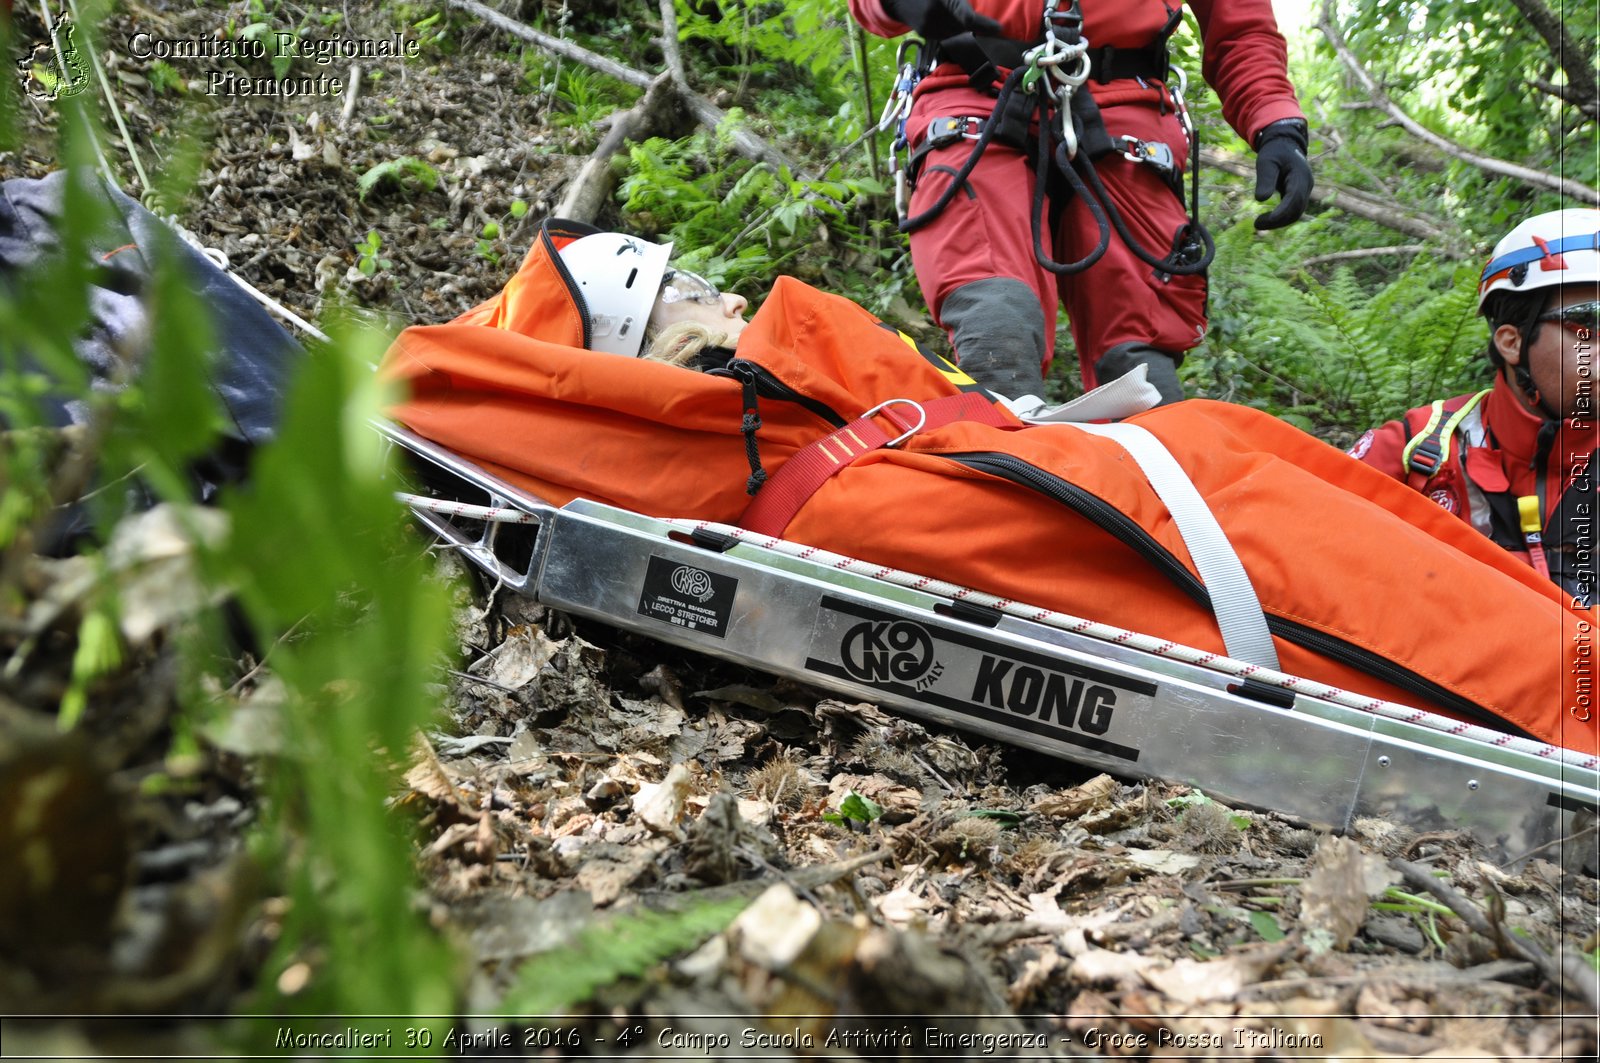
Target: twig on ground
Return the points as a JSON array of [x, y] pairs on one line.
[[669, 44], [1569, 972], [590, 189], [705, 112], [352, 93]]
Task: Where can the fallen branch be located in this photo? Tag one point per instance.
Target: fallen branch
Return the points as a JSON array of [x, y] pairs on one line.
[[1364, 252], [669, 44], [741, 140], [1574, 189], [1349, 200], [1571, 972], [591, 188]]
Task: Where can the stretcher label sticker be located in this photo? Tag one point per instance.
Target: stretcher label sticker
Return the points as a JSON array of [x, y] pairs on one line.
[[977, 677], [686, 596]]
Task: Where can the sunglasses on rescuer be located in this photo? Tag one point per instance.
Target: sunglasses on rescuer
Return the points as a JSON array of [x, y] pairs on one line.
[[1579, 317], [679, 285]]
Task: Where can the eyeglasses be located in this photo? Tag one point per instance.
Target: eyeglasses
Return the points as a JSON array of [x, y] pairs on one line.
[[679, 285], [1578, 316]]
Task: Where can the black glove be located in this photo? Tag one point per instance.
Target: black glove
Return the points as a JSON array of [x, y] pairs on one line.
[[934, 20], [1281, 167]]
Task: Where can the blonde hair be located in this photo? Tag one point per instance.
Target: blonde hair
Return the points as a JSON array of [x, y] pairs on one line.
[[679, 342]]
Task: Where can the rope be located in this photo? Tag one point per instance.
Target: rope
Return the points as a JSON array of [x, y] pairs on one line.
[[216, 256], [105, 90], [488, 514], [1150, 644]]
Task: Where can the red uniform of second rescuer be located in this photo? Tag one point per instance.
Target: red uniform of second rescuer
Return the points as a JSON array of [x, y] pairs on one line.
[[976, 259]]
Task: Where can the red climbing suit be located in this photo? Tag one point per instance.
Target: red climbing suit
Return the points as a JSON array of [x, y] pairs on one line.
[[987, 233]]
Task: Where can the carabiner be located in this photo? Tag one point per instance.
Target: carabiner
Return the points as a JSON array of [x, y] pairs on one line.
[[898, 106], [922, 419]]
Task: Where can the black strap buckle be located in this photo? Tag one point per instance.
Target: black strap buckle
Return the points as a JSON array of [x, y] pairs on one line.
[[1153, 153], [1425, 457], [947, 129]]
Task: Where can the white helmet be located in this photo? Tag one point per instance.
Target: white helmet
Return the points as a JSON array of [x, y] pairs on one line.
[[1560, 247], [620, 277]]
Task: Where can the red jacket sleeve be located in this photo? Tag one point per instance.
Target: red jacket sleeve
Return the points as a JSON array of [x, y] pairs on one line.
[[1246, 62], [871, 15], [1019, 19], [1381, 448]]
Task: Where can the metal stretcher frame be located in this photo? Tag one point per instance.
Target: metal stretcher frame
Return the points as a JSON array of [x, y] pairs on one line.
[[1112, 707]]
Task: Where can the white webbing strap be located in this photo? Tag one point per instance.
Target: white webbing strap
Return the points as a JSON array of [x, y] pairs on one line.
[[1125, 396], [1233, 598]]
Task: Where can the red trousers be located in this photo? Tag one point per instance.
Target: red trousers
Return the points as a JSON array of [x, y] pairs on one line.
[[985, 232]]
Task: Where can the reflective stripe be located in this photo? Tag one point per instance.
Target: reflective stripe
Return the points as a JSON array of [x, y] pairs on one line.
[[1523, 256], [1435, 437], [1233, 597]]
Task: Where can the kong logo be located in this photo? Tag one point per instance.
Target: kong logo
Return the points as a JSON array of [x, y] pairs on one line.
[[881, 651], [692, 583], [1047, 696]]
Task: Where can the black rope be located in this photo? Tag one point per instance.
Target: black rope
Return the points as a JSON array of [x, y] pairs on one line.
[[1041, 180], [917, 221], [1173, 263]]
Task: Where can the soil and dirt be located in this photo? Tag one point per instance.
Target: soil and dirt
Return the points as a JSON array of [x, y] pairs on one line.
[[580, 775]]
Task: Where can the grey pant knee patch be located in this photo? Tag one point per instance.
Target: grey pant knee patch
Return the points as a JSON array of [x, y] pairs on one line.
[[997, 329]]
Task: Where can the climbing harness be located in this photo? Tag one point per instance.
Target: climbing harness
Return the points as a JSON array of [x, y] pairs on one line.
[[1426, 452], [1046, 89]]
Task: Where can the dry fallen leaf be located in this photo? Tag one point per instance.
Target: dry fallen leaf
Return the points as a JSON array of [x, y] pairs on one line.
[[1163, 861], [660, 805], [775, 929], [429, 777], [1333, 897], [1193, 982], [518, 660], [1070, 804], [1104, 967]]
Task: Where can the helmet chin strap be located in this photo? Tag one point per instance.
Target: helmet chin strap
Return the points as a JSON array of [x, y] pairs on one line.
[[1524, 376], [1552, 420]]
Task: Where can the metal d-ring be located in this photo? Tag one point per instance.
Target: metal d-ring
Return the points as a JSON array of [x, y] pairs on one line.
[[922, 419]]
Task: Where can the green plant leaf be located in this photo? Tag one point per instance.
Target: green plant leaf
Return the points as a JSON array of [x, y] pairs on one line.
[[861, 809], [1266, 926], [401, 172], [626, 946]]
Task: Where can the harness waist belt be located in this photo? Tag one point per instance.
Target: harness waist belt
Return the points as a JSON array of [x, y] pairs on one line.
[[983, 58]]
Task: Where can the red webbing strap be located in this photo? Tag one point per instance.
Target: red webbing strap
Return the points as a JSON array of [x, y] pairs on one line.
[[781, 497]]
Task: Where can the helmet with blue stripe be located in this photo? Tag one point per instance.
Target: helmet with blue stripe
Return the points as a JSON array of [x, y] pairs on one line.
[[1559, 247]]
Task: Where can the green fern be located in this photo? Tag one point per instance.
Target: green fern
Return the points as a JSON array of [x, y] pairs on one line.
[[1338, 354], [623, 947]]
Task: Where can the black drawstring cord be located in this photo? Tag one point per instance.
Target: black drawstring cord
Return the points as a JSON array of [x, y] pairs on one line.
[[749, 425]]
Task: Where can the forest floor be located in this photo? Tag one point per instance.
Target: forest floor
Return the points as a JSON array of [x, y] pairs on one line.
[[1018, 905]]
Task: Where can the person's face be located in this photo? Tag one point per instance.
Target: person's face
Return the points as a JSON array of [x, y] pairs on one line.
[[1562, 356], [687, 296]]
